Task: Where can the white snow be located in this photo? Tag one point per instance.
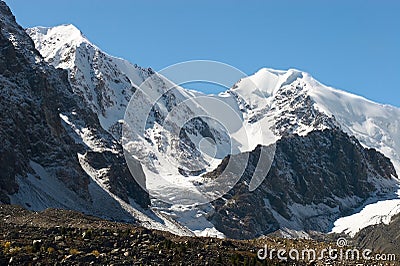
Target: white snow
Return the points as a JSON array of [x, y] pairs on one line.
[[253, 104], [106, 82], [194, 218], [372, 214], [59, 38], [148, 220], [85, 136], [374, 125], [40, 191]]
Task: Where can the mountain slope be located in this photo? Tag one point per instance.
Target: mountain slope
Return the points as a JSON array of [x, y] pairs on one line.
[[40, 157], [282, 103], [374, 125], [314, 180], [105, 83], [31, 128]]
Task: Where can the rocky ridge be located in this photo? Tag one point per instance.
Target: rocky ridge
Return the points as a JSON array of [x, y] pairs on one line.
[[38, 149]]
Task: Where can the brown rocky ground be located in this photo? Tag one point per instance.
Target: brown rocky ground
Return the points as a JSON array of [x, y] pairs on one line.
[[61, 237]]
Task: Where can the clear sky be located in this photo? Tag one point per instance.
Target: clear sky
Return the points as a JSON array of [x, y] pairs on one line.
[[353, 45]]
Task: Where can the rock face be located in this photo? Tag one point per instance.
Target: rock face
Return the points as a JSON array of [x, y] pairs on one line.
[[31, 94], [314, 179], [39, 150]]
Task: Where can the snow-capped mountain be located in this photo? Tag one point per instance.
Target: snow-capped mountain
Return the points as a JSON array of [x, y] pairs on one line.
[[374, 125], [301, 105], [290, 107], [105, 83], [54, 150]]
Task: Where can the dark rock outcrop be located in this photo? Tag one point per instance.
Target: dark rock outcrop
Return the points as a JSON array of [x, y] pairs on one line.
[[313, 180]]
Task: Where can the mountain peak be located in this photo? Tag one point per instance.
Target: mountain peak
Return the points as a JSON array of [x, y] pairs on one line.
[[64, 32], [62, 37], [5, 10], [267, 81]]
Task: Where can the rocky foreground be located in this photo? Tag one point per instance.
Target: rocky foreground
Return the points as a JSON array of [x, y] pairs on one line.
[[61, 237]]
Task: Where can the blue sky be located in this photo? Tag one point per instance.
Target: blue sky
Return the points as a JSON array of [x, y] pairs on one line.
[[351, 45]]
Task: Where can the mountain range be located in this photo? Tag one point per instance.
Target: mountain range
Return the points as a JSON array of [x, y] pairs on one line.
[[63, 103]]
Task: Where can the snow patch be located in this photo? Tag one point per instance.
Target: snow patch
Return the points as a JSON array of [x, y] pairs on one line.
[[372, 214]]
